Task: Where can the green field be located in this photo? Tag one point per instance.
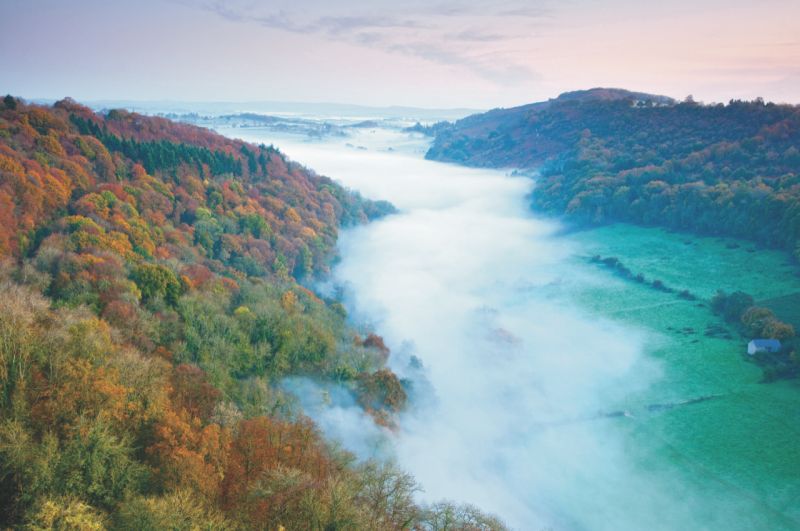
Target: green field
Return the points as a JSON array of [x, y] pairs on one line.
[[736, 453]]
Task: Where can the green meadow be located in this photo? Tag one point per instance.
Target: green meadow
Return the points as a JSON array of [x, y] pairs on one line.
[[708, 420]]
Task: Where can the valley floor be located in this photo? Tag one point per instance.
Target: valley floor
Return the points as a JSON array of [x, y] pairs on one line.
[[741, 441]]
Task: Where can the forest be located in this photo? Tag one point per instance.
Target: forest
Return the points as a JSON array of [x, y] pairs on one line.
[[151, 298], [608, 155]]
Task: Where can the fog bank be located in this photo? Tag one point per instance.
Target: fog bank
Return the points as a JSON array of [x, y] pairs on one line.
[[520, 406]]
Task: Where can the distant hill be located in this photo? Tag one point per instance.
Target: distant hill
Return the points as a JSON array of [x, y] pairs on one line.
[[526, 136], [615, 155], [323, 110]]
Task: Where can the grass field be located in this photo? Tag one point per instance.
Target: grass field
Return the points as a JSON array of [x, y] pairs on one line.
[[741, 442]]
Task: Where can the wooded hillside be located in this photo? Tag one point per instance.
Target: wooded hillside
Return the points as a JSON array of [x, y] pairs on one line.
[[612, 155], [149, 305]]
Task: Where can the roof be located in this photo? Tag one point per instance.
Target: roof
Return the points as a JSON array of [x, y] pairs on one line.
[[766, 343]]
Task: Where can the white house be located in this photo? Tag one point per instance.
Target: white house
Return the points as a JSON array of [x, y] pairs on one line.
[[763, 345]]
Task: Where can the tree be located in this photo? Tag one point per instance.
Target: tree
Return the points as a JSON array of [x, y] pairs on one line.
[[274, 466], [66, 514], [192, 391], [383, 389], [732, 306], [99, 466], [447, 516], [10, 102], [156, 281], [388, 494], [778, 330], [755, 320], [177, 511], [189, 455]]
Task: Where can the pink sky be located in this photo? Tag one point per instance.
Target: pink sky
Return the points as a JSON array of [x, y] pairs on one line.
[[451, 54]]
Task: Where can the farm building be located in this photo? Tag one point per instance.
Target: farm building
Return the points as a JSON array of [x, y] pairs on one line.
[[763, 345]]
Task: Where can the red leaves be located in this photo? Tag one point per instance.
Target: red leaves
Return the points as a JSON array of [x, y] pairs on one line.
[[261, 445], [192, 392], [375, 341], [189, 454]]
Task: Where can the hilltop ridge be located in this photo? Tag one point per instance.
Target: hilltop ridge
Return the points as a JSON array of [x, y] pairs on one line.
[[606, 155]]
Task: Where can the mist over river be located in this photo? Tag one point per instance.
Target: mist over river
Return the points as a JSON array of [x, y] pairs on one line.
[[526, 401]]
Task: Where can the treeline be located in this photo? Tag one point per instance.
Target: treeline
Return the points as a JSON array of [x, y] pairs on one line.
[[145, 318], [615, 265], [753, 321], [616, 156], [165, 155]]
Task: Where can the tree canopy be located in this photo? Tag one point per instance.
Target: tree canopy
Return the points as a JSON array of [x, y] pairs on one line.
[[150, 301], [611, 155]]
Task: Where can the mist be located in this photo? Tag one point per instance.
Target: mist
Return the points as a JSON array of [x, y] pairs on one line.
[[520, 398]]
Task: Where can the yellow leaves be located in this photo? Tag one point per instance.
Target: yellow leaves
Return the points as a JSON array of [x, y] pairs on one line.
[[25, 129], [61, 182], [242, 311], [292, 216], [86, 149], [90, 339], [139, 234], [187, 282], [10, 165], [51, 145], [120, 222], [82, 372], [118, 242], [308, 233], [175, 510], [94, 205], [44, 121], [133, 232], [289, 301], [58, 187], [87, 235], [67, 514]]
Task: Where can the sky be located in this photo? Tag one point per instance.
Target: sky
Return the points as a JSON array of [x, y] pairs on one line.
[[425, 53]]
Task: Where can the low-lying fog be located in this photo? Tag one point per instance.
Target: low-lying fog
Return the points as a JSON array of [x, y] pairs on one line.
[[519, 403]]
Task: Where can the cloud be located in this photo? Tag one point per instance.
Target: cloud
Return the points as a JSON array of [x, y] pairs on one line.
[[528, 12], [444, 34], [476, 35], [279, 21], [222, 10], [283, 20], [497, 9], [495, 71], [342, 25]]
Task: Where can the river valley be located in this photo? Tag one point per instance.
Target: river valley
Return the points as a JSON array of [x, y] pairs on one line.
[[544, 388]]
